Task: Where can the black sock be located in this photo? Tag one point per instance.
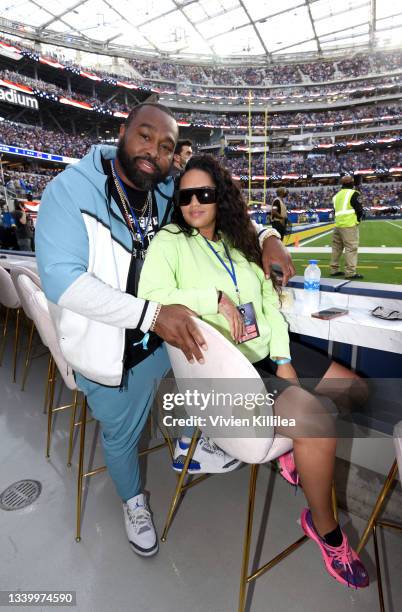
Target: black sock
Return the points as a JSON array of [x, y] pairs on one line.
[[334, 538]]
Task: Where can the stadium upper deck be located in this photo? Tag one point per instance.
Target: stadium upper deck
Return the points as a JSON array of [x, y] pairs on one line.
[[352, 77]]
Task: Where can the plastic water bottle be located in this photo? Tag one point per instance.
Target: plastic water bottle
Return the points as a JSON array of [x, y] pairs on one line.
[[312, 277]]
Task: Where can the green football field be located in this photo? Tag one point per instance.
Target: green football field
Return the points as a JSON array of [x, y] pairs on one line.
[[372, 233], [376, 267]]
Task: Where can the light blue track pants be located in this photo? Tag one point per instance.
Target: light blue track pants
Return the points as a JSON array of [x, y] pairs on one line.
[[122, 416]]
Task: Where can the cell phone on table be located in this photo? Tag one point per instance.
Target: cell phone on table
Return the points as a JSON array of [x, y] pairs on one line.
[[329, 313]]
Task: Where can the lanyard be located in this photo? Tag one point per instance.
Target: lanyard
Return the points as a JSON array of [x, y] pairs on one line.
[[133, 215], [231, 271]]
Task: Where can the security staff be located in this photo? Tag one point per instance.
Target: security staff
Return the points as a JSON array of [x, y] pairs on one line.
[[279, 214], [348, 214]]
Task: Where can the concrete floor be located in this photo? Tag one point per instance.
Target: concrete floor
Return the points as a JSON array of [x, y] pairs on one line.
[[197, 569]]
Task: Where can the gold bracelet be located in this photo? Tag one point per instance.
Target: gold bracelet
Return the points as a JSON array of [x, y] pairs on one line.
[[270, 231], [156, 314]]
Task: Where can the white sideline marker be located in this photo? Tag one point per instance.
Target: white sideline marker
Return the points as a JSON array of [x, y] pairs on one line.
[[304, 242]]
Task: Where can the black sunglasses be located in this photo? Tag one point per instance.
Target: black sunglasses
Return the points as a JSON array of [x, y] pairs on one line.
[[205, 195]]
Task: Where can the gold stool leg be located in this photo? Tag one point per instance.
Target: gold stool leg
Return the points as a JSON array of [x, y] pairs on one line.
[[179, 486], [16, 341], [72, 426], [377, 562], [50, 408], [3, 343], [81, 468], [378, 506], [28, 356], [247, 536], [48, 383]]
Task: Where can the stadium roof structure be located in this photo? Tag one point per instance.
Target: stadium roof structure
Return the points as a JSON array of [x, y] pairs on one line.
[[263, 30]]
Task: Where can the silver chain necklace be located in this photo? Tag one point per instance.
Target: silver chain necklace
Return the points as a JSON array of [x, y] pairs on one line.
[[147, 208]]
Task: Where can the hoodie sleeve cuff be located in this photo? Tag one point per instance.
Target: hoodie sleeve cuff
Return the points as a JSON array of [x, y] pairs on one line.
[[148, 315]]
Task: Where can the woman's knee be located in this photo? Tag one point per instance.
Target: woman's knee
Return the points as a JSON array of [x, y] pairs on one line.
[[311, 416], [346, 388]]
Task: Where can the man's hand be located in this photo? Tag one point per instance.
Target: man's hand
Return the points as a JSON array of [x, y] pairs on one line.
[[175, 325], [273, 252]]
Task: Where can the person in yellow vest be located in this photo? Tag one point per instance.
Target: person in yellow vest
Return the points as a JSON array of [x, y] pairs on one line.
[[279, 213], [348, 214]]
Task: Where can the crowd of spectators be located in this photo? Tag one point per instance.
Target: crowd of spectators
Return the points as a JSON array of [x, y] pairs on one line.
[[61, 143], [356, 66], [362, 88], [276, 120], [378, 194], [39, 139], [254, 77], [355, 114], [324, 70], [20, 183], [54, 91], [323, 163]]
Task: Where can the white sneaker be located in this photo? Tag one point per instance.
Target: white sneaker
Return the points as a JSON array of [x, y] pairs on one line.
[[139, 526], [208, 458]]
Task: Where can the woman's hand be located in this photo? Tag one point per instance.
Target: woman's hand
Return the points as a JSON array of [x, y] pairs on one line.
[[228, 309], [287, 371]]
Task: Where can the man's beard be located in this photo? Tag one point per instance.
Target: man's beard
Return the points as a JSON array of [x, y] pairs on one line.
[[142, 180]]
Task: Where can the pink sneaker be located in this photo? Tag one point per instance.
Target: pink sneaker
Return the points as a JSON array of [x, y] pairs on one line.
[[288, 469], [341, 562]]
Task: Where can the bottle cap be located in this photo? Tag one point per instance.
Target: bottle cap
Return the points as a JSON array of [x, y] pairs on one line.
[[313, 261]]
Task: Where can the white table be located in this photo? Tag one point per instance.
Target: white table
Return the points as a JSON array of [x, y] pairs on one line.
[[358, 327]]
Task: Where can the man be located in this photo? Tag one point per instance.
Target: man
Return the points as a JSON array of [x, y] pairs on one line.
[[348, 214], [23, 229], [279, 214], [182, 153], [94, 226]]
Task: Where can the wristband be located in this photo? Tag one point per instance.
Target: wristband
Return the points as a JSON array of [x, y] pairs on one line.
[[282, 361], [156, 314]]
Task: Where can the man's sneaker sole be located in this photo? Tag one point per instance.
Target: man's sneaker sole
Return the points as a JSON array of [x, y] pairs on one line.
[[230, 467], [145, 552]]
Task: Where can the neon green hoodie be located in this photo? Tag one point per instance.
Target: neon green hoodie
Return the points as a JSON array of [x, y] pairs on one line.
[[181, 269]]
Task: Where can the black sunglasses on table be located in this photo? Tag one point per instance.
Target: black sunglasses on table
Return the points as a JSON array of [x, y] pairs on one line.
[[204, 195]]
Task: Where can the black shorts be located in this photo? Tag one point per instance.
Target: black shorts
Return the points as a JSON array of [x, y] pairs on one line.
[[310, 364], [279, 227]]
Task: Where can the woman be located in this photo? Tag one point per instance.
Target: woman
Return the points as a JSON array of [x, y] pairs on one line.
[[209, 260]]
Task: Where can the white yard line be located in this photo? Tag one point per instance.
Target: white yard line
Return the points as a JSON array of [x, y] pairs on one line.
[[316, 237], [372, 250], [395, 224]]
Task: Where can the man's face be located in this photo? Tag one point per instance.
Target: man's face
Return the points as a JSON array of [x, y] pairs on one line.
[[181, 159], [146, 147]]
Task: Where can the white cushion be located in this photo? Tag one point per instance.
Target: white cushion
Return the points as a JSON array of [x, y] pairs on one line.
[[8, 293], [44, 324], [224, 361]]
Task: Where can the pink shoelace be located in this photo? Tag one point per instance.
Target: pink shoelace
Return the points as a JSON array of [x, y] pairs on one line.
[[342, 554]]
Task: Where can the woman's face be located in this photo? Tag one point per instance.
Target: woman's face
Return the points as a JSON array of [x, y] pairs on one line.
[[200, 216]]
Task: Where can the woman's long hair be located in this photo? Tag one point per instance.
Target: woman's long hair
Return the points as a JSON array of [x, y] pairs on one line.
[[232, 218]]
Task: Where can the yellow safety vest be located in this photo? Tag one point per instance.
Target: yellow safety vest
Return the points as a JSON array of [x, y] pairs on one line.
[[345, 215]]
